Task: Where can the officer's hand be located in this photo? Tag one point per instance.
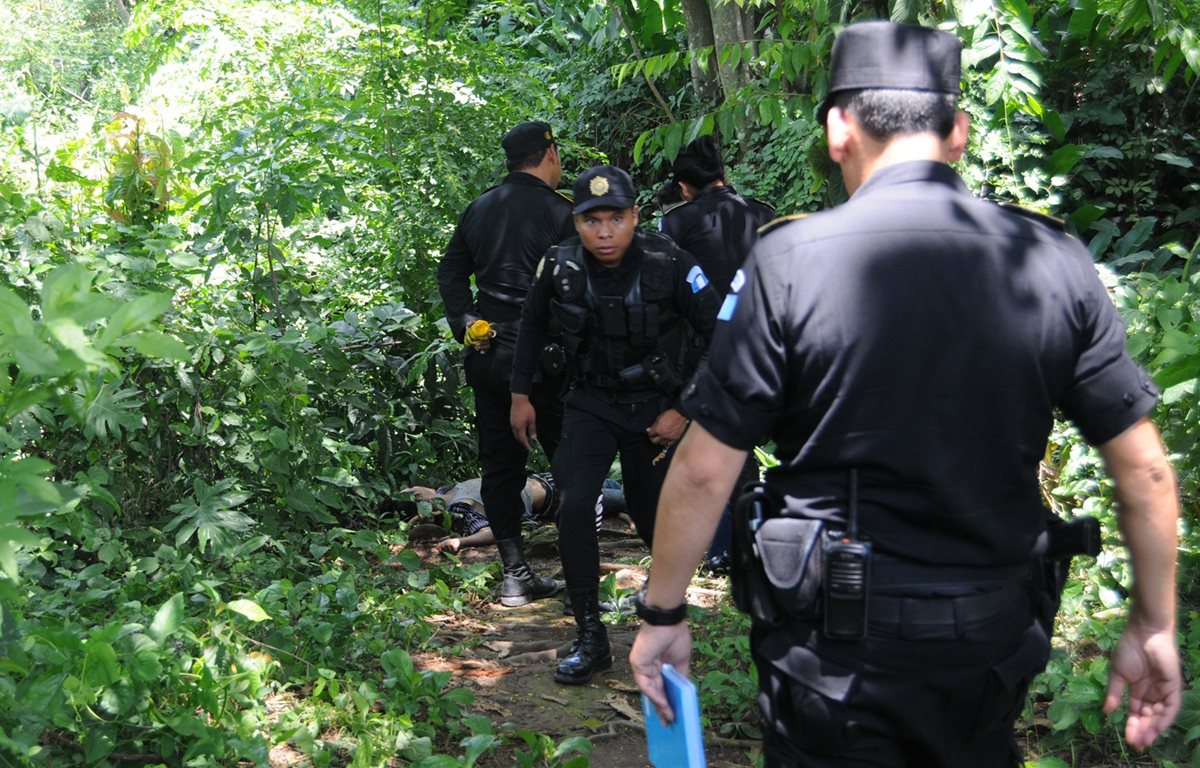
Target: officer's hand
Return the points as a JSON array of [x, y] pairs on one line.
[[523, 419], [478, 335], [1147, 661], [653, 647], [667, 428]]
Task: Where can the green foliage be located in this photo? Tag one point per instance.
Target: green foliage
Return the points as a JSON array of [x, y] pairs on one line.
[[724, 674], [1162, 312], [224, 351]]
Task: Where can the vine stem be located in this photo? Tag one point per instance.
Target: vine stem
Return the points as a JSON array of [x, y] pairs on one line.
[[637, 53]]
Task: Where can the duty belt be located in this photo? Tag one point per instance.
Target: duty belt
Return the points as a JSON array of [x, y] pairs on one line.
[[940, 618]]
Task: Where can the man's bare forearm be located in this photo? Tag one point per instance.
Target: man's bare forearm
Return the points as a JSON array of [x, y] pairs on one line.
[[1148, 512]]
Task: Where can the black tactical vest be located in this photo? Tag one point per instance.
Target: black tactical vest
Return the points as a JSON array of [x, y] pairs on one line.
[[614, 342]]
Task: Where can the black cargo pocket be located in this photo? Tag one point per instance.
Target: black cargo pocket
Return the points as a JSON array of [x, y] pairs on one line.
[[805, 701], [792, 553], [1008, 681]]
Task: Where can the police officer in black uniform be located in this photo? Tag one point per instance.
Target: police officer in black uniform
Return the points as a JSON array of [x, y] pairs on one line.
[[715, 224], [907, 351], [719, 227], [499, 239], [625, 300]]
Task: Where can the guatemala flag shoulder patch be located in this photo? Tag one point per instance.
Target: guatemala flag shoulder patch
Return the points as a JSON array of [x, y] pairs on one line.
[[697, 279], [727, 307]]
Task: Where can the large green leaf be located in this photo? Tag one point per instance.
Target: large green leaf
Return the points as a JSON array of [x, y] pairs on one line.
[[167, 619], [248, 608]]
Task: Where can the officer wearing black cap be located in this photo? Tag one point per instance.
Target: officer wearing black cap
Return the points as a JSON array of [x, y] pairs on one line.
[[719, 227], [626, 302], [716, 224], [907, 351], [499, 239]]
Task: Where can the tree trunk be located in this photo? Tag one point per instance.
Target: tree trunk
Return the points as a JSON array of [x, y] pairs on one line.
[[731, 26], [700, 37], [122, 10]]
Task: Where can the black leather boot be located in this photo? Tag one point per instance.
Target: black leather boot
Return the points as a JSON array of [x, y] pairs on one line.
[[591, 652], [520, 585]]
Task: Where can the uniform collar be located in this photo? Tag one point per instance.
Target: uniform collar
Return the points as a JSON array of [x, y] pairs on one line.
[[526, 180], [912, 171], [726, 190]]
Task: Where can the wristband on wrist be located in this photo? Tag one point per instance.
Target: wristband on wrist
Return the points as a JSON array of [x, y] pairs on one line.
[[659, 617]]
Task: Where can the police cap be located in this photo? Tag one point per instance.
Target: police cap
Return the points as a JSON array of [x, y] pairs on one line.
[[890, 56], [603, 186], [526, 138], [701, 157]]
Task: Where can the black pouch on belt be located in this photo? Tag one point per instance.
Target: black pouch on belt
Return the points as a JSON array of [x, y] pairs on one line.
[[792, 551]]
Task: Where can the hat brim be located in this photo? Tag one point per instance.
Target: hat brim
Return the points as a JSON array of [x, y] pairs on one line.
[[619, 202]]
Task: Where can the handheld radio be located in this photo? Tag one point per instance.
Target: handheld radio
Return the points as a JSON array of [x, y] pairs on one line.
[[847, 576]]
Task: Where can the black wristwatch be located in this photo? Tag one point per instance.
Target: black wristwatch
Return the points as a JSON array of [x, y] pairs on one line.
[[652, 614]]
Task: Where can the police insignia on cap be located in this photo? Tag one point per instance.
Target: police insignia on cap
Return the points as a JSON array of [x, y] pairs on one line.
[[548, 136], [598, 186]]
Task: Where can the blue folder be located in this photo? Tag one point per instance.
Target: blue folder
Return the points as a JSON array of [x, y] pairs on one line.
[[680, 744]]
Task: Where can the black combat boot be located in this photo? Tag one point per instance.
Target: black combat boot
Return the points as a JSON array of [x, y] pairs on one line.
[[520, 585], [591, 652]]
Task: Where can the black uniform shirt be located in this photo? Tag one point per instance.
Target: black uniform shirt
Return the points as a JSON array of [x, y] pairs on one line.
[[499, 239], [693, 297], [924, 337], [718, 227]]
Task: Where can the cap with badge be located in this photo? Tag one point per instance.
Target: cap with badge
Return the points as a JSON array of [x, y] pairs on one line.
[[526, 138], [603, 186], [889, 56]]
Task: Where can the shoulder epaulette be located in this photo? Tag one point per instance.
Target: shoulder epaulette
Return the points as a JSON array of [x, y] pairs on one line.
[[775, 224], [550, 255], [565, 196], [1029, 213]]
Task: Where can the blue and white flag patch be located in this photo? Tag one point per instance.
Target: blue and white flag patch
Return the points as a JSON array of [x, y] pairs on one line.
[[739, 279], [727, 307], [697, 279]]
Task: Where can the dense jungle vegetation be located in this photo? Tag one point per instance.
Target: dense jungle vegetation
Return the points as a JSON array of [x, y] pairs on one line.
[[223, 350]]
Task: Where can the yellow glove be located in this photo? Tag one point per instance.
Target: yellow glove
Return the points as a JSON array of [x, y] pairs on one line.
[[477, 332]]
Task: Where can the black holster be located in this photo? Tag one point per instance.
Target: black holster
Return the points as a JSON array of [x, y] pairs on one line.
[[1061, 542]]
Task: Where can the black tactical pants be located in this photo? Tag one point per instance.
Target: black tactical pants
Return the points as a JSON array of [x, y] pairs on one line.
[[502, 457], [589, 445], [896, 702]]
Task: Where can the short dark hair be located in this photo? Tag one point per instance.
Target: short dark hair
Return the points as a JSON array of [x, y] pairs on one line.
[[700, 163], [884, 112], [531, 160], [669, 193]]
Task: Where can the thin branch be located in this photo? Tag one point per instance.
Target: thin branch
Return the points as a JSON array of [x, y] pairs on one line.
[[637, 53]]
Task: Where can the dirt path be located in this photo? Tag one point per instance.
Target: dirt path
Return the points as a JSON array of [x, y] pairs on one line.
[[510, 654]]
